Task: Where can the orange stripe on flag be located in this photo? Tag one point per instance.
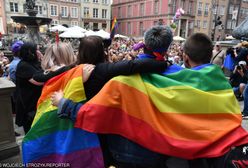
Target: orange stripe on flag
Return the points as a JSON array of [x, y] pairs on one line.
[[200, 126], [58, 83]]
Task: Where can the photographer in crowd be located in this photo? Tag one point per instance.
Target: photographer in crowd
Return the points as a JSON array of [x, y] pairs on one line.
[[239, 79]]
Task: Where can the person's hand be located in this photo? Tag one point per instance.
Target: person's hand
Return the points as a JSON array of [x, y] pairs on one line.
[[87, 70], [56, 97], [39, 55]]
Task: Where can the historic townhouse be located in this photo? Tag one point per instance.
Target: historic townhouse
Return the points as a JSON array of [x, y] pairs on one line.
[[96, 14], [135, 17], [64, 12]]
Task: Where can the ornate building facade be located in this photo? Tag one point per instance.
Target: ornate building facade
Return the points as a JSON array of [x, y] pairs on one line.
[[135, 17]]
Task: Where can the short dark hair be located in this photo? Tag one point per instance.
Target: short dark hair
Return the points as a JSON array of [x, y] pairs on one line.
[[91, 50], [28, 52], [199, 48], [158, 37]]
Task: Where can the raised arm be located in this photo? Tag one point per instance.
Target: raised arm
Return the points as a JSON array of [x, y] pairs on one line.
[[136, 66], [45, 76]]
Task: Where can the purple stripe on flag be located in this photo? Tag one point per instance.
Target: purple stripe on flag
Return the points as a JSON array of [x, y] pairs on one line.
[[88, 158]]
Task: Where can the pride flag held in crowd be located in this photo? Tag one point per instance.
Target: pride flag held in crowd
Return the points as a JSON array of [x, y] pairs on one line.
[[229, 63], [55, 140], [113, 27], [183, 113]]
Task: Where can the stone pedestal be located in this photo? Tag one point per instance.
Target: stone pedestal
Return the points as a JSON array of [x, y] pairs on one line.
[[8, 145], [33, 34]]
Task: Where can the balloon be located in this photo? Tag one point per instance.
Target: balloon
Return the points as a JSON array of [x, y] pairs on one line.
[[173, 26], [176, 17], [181, 11]]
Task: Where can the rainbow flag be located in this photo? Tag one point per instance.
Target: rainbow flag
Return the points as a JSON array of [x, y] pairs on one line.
[[188, 113], [113, 27], [54, 140]]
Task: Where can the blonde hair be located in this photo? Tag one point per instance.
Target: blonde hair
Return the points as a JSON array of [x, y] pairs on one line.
[[58, 55], [245, 44]]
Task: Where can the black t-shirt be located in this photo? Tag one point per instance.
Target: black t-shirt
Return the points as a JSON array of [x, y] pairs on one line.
[[27, 93]]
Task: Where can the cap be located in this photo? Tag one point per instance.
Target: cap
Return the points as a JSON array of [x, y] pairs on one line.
[[242, 63], [17, 46]]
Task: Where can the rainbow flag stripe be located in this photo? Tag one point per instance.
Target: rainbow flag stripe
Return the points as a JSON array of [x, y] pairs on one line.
[[55, 140], [113, 27], [183, 113]]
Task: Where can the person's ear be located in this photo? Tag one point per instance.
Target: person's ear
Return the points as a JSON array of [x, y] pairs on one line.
[[186, 60]]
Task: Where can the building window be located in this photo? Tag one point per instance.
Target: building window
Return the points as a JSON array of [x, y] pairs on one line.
[[95, 26], [141, 9], [86, 0], [24, 8], [174, 5], [141, 28], [119, 12], [40, 11], [204, 24], [199, 9], [198, 23], [95, 1], [182, 4], [95, 13], [105, 2], [54, 10], [74, 1], [119, 27], [86, 12], [222, 10], [206, 9], [230, 9], [64, 11], [129, 28], [104, 26], [190, 7], [129, 10], [215, 10], [74, 12], [86, 25], [241, 11], [104, 13], [13, 7], [55, 22], [156, 7], [74, 23], [191, 25]]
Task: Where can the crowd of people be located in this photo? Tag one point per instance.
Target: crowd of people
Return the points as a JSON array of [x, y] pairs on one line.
[[31, 68]]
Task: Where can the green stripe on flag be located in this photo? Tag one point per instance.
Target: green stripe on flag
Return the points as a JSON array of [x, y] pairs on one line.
[[199, 79], [48, 123]]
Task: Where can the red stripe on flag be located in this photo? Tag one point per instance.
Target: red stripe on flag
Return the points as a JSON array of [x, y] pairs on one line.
[[107, 120]]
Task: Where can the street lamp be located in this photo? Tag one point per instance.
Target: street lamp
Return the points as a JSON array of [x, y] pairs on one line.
[[217, 20]]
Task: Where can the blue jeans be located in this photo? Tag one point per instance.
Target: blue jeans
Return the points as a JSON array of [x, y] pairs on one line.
[[245, 95]]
